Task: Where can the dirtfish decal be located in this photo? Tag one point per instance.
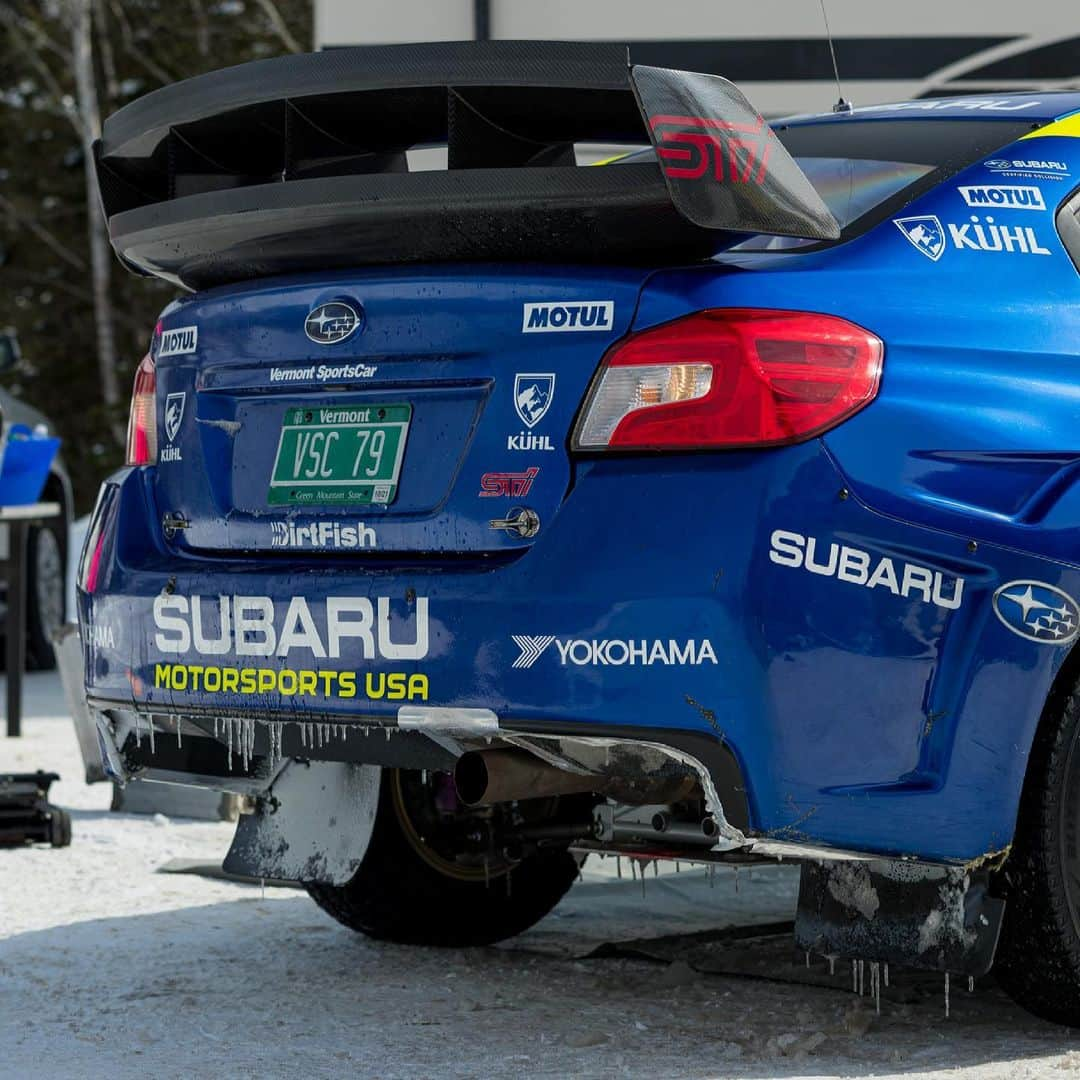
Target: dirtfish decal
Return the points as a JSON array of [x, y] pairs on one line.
[[858, 567], [330, 535]]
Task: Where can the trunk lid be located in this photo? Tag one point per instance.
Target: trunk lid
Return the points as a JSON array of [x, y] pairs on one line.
[[282, 426]]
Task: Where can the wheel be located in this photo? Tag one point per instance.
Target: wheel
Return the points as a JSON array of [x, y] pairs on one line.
[[60, 828], [46, 595], [1038, 958], [424, 880]]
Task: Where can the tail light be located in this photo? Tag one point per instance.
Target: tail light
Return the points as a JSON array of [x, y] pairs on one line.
[[142, 420], [730, 377]]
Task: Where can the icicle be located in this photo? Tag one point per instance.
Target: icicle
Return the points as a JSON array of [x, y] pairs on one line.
[[262, 888], [875, 983], [808, 960], [862, 981], [367, 731], [946, 995], [886, 976], [387, 730], [712, 874], [736, 881], [138, 729], [854, 976], [642, 869], [179, 732], [303, 735], [832, 965], [150, 725], [229, 731], [618, 867], [971, 984], [678, 867], [656, 868], [344, 732]]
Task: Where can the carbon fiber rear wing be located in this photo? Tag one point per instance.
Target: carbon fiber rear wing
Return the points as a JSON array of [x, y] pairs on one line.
[[300, 163]]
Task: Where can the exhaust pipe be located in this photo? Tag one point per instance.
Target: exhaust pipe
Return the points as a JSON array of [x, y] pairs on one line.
[[483, 777]]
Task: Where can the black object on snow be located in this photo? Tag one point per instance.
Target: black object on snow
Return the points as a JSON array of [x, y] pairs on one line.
[[26, 815]]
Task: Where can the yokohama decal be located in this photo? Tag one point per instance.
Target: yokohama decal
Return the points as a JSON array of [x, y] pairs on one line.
[[690, 147]]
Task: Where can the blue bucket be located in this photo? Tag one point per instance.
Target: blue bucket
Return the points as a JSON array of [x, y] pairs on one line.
[[27, 458]]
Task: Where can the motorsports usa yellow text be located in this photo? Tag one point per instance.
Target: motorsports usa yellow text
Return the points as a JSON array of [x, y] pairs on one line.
[[209, 679]]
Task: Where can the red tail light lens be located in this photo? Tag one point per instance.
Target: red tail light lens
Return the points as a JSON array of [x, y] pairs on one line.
[[731, 377], [142, 420]]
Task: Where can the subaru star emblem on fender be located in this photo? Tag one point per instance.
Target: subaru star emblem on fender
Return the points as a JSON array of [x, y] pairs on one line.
[[924, 233], [332, 322], [1038, 612], [532, 397]]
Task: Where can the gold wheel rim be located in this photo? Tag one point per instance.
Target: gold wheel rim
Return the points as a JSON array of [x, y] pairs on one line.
[[427, 853]]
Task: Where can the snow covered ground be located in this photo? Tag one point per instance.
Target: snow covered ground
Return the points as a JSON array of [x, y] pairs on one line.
[[109, 968]]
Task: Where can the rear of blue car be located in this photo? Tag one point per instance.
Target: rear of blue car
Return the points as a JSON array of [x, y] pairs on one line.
[[462, 570]]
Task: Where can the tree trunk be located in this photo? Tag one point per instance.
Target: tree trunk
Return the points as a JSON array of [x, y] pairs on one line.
[[80, 19]]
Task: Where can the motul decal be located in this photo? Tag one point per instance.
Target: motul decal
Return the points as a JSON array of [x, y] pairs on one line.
[[690, 147]]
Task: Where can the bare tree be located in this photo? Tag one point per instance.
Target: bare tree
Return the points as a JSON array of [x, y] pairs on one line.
[[80, 20]]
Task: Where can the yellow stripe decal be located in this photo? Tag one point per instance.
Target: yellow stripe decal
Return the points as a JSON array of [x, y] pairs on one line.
[[1067, 127]]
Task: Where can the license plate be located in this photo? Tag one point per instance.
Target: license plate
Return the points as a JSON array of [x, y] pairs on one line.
[[345, 455]]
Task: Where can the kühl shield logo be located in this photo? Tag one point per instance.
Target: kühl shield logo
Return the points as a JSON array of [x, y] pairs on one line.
[[533, 395], [174, 414], [924, 233]]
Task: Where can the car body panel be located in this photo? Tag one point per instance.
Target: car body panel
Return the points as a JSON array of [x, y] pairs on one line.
[[836, 613]]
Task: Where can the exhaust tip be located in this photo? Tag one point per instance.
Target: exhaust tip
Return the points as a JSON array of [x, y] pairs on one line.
[[471, 778]]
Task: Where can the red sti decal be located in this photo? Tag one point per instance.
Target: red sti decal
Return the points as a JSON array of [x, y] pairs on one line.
[[514, 484], [692, 143]]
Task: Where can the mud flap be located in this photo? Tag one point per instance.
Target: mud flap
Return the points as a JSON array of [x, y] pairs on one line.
[[936, 918], [314, 824]]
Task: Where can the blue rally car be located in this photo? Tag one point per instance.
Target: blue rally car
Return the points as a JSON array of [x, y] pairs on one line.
[[485, 508]]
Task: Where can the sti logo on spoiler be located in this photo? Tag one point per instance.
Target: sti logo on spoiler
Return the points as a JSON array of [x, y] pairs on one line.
[[689, 147], [564, 315]]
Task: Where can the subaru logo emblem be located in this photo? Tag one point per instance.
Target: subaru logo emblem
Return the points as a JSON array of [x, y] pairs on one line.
[[332, 322], [1038, 612]]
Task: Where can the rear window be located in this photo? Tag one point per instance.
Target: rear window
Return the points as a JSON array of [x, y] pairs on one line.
[[867, 170]]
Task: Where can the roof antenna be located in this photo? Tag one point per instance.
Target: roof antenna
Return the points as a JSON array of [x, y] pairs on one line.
[[841, 105]]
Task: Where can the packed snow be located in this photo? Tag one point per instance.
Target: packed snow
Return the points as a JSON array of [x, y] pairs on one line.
[[110, 968]]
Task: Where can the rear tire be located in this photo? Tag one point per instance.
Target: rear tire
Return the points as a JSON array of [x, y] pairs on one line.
[[60, 828], [46, 594], [1038, 958], [407, 892]]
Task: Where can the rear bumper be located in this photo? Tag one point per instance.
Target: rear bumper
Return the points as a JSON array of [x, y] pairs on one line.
[[854, 717]]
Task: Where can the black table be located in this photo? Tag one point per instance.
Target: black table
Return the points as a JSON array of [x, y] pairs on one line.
[[13, 573]]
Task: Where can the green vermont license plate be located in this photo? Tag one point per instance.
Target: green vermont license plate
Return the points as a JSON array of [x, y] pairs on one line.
[[344, 454]]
